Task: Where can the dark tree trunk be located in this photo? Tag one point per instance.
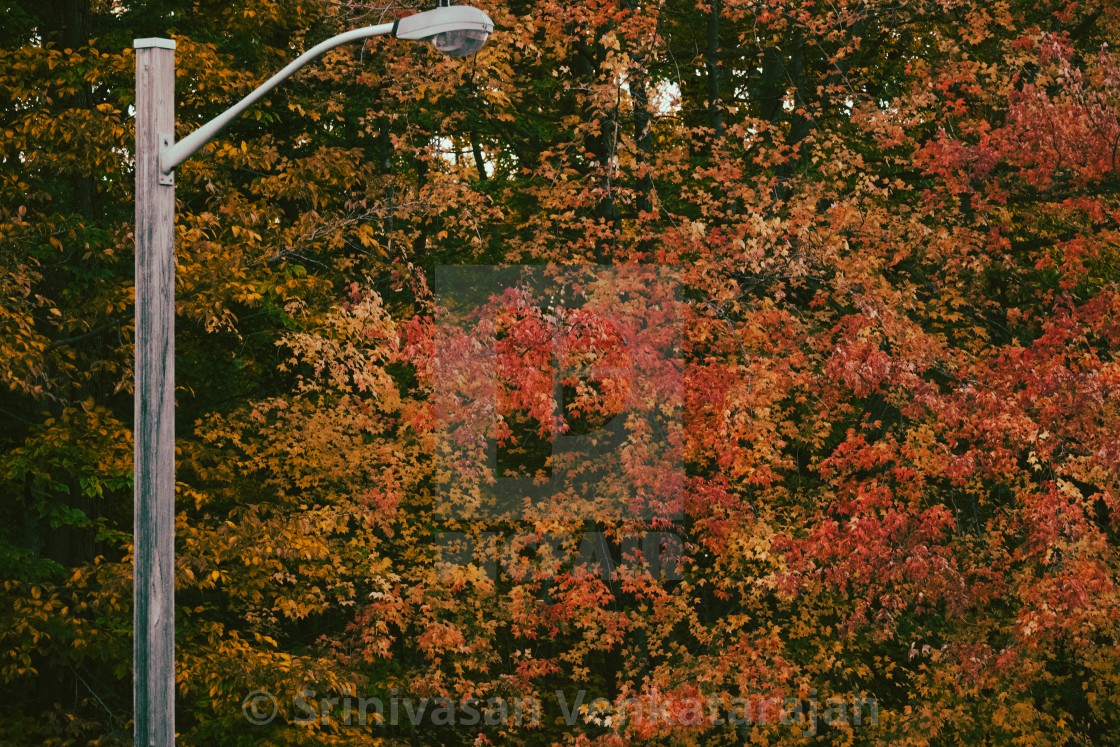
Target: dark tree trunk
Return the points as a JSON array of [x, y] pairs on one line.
[[598, 141], [639, 96], [71, 23], [479, 162], [714, 67]]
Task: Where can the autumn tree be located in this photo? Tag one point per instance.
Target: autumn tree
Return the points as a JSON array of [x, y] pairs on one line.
[[892, 234]]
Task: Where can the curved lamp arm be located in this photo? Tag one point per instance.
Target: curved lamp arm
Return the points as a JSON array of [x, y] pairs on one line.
[[172, 156], [456, 30]]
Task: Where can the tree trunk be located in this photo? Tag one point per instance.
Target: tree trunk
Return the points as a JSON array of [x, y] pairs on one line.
[[714, 67]]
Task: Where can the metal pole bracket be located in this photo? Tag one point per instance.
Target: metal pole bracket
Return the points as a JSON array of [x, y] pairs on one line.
[[166, 178]]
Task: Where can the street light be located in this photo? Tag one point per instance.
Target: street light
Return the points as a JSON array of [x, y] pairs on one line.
[[455, 30]]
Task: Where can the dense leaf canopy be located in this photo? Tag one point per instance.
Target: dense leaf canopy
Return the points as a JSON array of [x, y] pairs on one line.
[[894, 231]]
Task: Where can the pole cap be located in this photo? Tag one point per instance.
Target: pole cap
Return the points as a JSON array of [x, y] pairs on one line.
[[153, 42]]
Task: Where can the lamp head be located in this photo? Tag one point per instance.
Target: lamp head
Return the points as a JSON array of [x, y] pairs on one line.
[[455, 30], [462, 43]]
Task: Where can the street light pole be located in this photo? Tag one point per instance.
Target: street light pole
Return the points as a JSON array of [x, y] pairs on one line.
[[153, 617], [454, 30]]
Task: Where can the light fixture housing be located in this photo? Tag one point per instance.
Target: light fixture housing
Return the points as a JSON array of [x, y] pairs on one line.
[[455, 30]]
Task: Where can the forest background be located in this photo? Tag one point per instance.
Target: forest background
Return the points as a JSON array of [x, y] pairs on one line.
[[894, 224]]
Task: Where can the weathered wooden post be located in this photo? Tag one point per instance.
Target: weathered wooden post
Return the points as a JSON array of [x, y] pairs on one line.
[[154, 414]]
